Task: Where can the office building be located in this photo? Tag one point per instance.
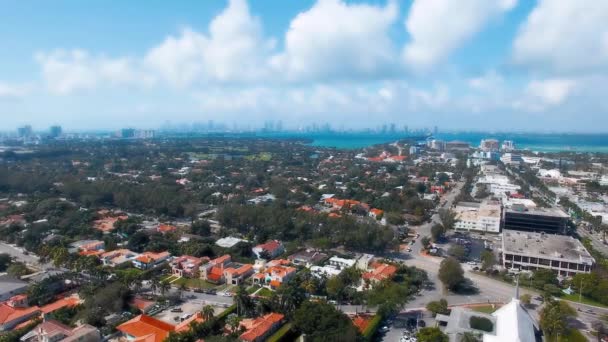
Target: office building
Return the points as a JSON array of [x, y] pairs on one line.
[[519, 217], [25, 131], [457, 145], [55, 131], [531, 251], [482, 217], [438, 145], [507, 146], [489, 145], [511, 158]]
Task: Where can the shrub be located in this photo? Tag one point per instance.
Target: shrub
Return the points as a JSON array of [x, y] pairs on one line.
[[481, 323]]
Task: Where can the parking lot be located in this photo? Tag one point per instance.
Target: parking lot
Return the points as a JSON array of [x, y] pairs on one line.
[[403, 327], [177, 313]]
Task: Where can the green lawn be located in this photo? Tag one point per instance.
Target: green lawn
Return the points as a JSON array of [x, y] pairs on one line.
[[574, 298], [572, 336], [485, 308], [264, 292], [252, 289], [195, 283]]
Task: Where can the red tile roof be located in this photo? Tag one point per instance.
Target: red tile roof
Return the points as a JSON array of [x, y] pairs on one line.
[[259, 327], [146, 328], [270, 246]]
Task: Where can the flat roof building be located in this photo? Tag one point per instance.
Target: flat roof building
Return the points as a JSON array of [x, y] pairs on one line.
[[484, 217], [518, 217], [531, 251]]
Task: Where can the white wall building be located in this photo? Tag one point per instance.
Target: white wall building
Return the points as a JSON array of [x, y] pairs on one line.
[[484, 217]]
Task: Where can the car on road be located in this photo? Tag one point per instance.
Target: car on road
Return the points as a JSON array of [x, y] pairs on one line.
[[176, 310]]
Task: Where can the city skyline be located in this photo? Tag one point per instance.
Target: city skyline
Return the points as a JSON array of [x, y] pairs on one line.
[[472, 65]]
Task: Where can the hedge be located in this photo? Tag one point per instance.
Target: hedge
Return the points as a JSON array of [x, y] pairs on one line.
[[372, 327], [281, 334]]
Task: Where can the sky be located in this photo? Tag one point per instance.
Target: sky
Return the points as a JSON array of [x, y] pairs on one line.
[[501, 65]]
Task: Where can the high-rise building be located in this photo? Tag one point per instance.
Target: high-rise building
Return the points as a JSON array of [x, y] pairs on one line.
[[126, 133], [55, 131], [489, 145], [436, 130], [25, 131], [508, 145]]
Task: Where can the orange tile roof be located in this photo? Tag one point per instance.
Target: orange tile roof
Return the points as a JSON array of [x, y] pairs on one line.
[[381, 272], [61, 303], [9, 313], [222, 259], [260, 326], [361, 322], [185, 325], [270, 246], [165, 228], [149, 257], [377, 212], [146, 328], [239, 271]]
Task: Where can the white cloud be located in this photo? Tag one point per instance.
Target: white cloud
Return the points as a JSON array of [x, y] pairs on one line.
[[551, 91], [234, 51], [14, 91], [489, 81], [66, 71], [438, 27], [564, 35], [335, 40]]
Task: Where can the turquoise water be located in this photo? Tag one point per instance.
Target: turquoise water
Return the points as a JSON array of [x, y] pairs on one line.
[[535, 142]]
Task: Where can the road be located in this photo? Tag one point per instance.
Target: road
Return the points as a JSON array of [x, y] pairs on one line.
[[19, 254]]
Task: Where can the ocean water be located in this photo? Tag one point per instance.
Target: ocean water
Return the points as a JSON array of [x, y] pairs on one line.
[[543, 142]]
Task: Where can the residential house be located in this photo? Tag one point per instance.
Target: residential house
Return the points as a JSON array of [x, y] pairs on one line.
[[150, 260], [270, 249], [149, 329], [186, 266], [260, 328], [380, 272], [10, 286], [376, 213], [117, 257], [274, 275], [16, 310], [308, 257], [54, 331], [223, 270]]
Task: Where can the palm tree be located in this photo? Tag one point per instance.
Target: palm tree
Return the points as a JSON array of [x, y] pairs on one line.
[[154, 285], [233, 322], [164, 287], [207, 312]]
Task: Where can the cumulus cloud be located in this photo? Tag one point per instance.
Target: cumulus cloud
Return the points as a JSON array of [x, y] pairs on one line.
[[551, 91], [233, 51], [13, 91], [338, 40], [438, 27], [67, 71], [566, 36]]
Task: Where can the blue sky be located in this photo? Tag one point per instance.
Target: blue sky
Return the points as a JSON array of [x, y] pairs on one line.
[[462, 65]]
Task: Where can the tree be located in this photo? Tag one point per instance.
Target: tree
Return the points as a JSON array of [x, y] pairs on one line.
[[469, 337], [165, 286], [458, 252], [17, 269], [553, 317], [233, 322], [448, 219], [438, 307], [488, 260], [426, 242], [526, 299], [323, 322], [5, 261], [208, 311], [437, 232], [431, 334], [451, 273]]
